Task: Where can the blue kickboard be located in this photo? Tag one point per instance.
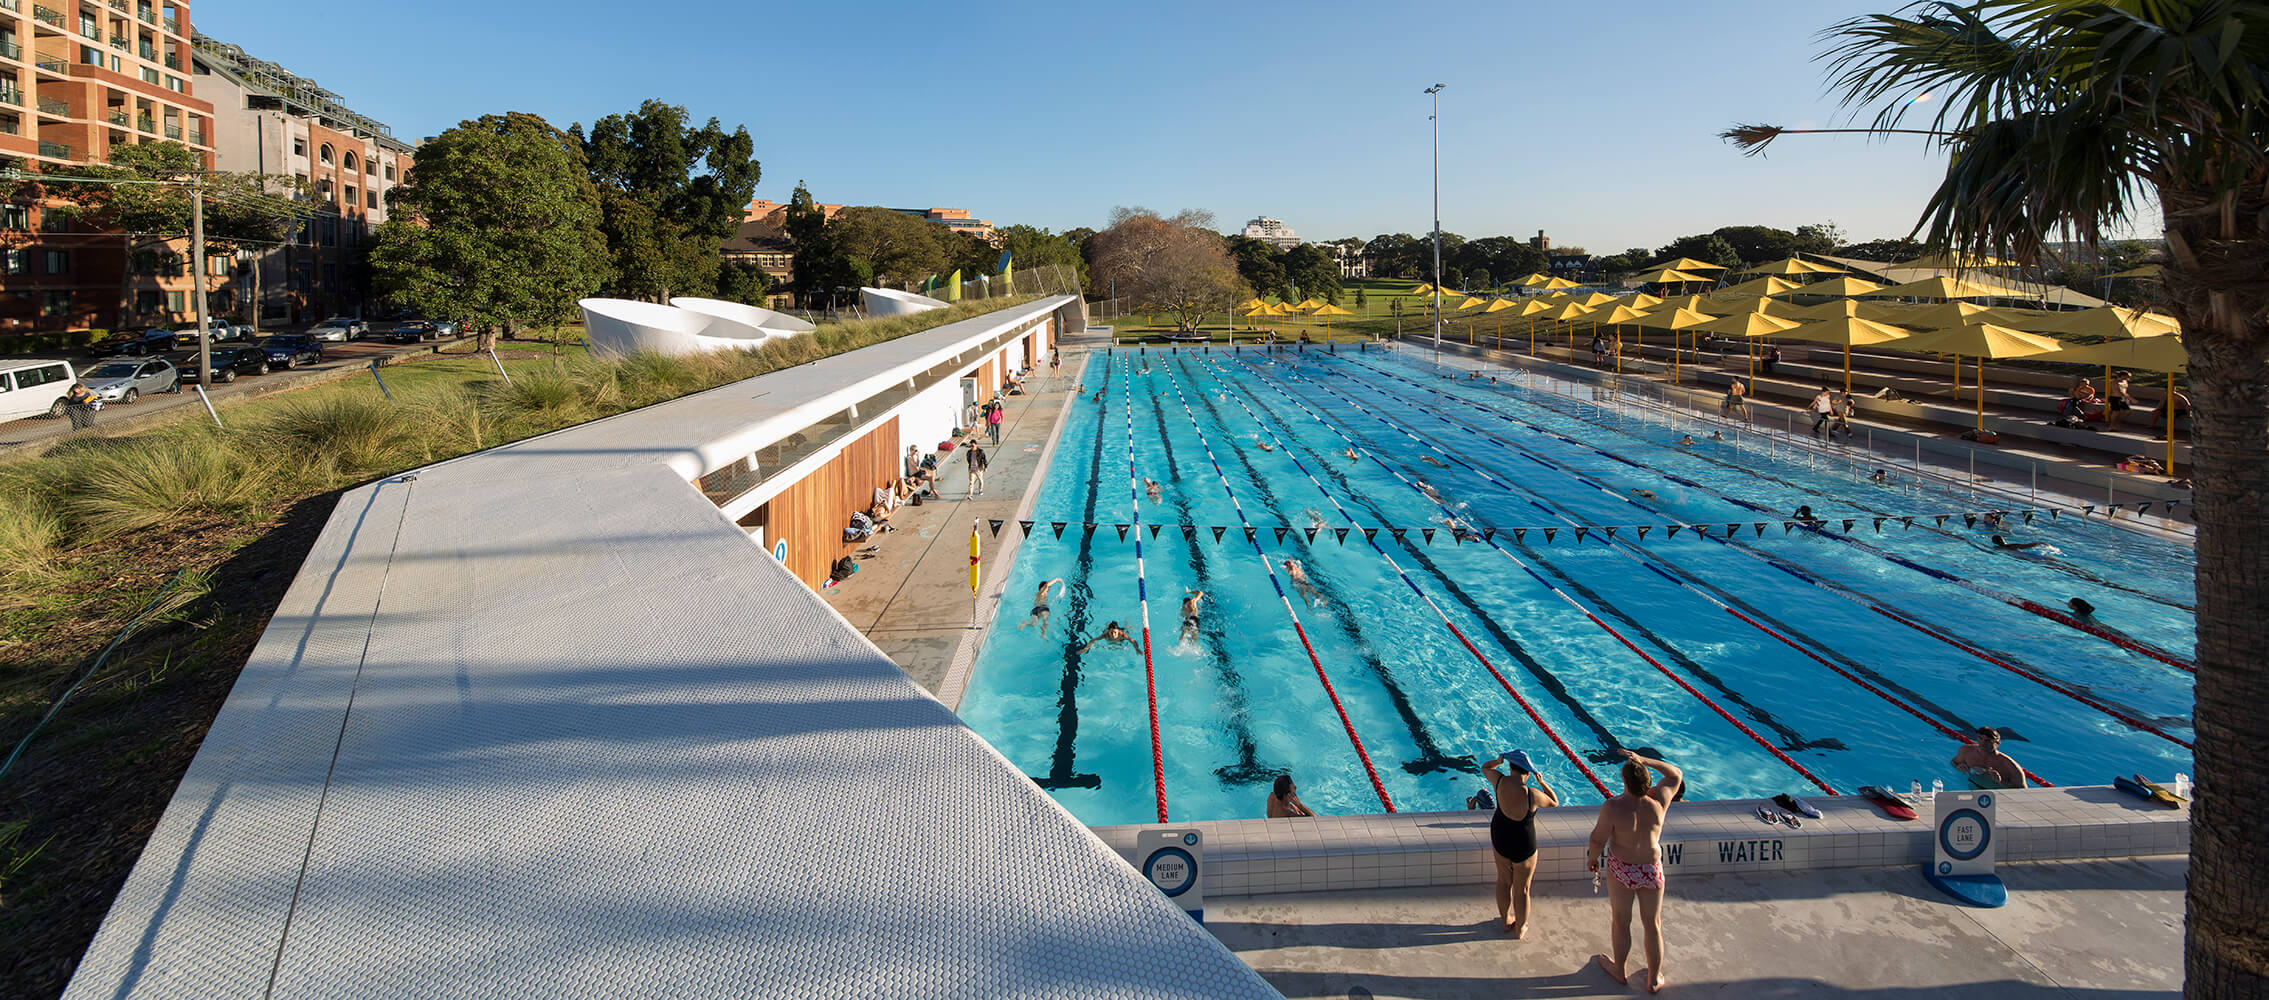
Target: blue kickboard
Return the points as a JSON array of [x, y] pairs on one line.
[[1982, 891]]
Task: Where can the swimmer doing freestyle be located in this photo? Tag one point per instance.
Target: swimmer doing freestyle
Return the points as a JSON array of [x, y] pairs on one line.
[[1299, 576]]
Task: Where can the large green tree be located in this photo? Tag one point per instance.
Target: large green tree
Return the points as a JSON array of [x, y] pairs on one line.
[[1260, 264], [143, 192], [1709, 247], [1036, 249], [1313, 272], [669, 193], [499, 225], [896, 248], [2074, 117], [1175, 265]]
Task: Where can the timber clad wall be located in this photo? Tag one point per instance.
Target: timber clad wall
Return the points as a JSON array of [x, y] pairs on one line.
[[812, 513]]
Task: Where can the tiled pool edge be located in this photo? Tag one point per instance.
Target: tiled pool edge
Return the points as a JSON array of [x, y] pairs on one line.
[[1253, 857]]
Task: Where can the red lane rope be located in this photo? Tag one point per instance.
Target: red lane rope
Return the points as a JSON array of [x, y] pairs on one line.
[[2038, 679], [1572, 602], [1251, 537], [1142, 594], [1565, 750], [2105, 634]]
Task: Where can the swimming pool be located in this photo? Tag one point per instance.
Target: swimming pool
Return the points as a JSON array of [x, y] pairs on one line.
[[1760, 660]]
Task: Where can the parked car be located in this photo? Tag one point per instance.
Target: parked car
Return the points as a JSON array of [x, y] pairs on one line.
[[445, 329], [220, 331], [339, 328], [414, 331], [29, 388], [132, 342], [228, 363], [291, 350], [124, 380]]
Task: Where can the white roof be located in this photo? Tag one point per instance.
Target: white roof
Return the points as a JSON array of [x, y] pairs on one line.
[[542, 722]]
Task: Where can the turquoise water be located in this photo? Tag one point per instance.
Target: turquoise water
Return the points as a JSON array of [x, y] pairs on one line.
[[1610, 644]]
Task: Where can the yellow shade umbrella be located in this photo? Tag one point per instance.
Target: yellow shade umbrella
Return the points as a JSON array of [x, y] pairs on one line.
[[1596, 300], [1557, 283], [1328, 309], [1944, 315], [1542, 303], [1943, 287], [1693, 302], [1643, 301], [1839, 308], [1455, 302], [1845, 285], [1669, 276], [1501, 305], [1749, 325], [1848, 331], [1689, 264], [2112, 321], [1566, 312], [1423, 289], [1247, 304], [1674, 319], [1727, 305], [1954, 261], [1532, 279], [1980, 341], [1309, 305], [1618, 314], [1790, 267], [1767, 285], [2150, 354]]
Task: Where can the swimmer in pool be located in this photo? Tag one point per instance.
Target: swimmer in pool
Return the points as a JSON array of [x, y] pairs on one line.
[[1316, 519], [1993, 518], [1040, 606], [1686, 442], [1300, 582], [1112, 634], [2081, 609], [1150, 486], [2015, 546], [1190, 615], [1880, 476], [1431, 460], [1351, 453], [1265, 446], [1811, 520], [1715, 436], [1649, 494]]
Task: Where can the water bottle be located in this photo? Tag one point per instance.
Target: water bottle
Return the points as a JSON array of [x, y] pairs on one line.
[[1937, 785], [2182, 785], [1915, 788]]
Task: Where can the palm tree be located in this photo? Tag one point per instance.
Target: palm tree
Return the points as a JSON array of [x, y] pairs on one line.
[[2072, 117]]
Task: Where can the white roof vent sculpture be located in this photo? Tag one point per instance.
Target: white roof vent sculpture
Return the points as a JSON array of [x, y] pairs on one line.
[[773, 323], [891, 302], [627, 326]]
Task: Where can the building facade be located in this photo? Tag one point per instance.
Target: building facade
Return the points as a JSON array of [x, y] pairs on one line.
[[270, 121], [1273, 232], [79, 78], [1353, 262]]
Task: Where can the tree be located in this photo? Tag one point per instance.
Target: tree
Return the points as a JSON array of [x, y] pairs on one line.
[[1173, 265], [1314, 271], [1628, 261], [2065, 118], [897, 248], [1362, 302], [1819, 237], [669, 193], [1395, 255], [1480, 279], [1757, 244], [1036, 249], [1707, 247], [1261, 264], [499, 224], [150, 217], [1883, 251], [743, 282], [1501, 256]]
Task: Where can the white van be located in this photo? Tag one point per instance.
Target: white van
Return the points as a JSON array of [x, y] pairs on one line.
[[31, 388]]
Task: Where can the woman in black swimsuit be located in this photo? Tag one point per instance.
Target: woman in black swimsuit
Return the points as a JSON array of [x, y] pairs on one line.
[[1512, 832]]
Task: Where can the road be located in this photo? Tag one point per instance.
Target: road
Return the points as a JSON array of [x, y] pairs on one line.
[[355, 354]]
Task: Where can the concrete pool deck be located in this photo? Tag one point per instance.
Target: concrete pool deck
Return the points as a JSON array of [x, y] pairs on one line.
[[2095, 929]]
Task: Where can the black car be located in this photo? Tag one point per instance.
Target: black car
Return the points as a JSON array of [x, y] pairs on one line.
[[132, 342], [414, 331], [292, 350], [228, 363]]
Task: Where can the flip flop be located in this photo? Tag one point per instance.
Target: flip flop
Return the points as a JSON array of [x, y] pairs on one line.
[[1792, 822], [1767, 815]]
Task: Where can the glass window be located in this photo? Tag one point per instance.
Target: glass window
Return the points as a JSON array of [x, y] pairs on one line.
[[299, 147], [370, 199], [147, 300], [15, 261], [91, 55], [57, 303], [349, 162], [324, 153], [389, 171], [115, 369], [15, 216], [58, 261], [176, 301]]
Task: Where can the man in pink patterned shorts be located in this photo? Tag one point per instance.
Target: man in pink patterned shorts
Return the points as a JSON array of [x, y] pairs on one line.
[[1629, 833]]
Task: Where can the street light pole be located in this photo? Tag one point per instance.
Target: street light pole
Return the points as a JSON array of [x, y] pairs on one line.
[[1436, 118]]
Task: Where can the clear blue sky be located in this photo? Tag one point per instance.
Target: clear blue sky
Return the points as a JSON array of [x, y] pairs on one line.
[[1595, 121]]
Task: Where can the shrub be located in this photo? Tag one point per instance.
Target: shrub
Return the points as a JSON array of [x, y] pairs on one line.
[[136, 483], [359, 434]]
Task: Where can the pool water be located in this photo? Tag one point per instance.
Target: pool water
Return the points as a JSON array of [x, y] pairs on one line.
[[1760, 663]]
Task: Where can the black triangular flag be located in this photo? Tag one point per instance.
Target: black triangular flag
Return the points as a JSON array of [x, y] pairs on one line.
[[1087, 530], [1122, 531], [1969, 520], [1670, 531], [1311, 533], [2029, 514], [2170, 508], [1154, 530], [1252, 534], [1941, 520], [1581, 532], [1847, 525], [1280, 535], [1428, 533], [1761, 529], [1396, 532], [1370, 533], [1458, 537], [1059, 526], [996, 523], [2143, 508], [1907, 523], [1217, 530], [1701, 531], [1548, 533], [1190, 532], [1341, 533], [1027, 526], [1879, 525], [1787, 526], [1609, 532], [1489, 534], [1643, 529], [2086, 509], [1733, 531], [2052, 513]]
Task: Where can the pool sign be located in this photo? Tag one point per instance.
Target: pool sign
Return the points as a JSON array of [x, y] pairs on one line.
[[780, 550], [1173, 861], [1962, 847]]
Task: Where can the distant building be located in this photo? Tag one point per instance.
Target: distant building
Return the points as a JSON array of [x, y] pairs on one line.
[[763, 245], [1352, 263], [1541, 241], [772, 216], [1273, 232]]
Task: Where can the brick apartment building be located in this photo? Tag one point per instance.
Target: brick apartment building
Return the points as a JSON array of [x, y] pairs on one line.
[[77, 79], [269, 121], [762, 239]]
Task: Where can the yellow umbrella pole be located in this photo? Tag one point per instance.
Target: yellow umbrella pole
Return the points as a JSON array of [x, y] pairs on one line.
[[1980, 393], [1675, 349], [1847, 369], [974, 561], [2170, 423]]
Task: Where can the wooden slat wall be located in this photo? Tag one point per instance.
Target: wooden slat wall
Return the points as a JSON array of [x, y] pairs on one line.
[[812, 513]]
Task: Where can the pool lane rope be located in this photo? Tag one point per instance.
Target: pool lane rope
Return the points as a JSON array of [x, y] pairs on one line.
[[1629, 551], [1573, 603], [1142, 594], [1862, 600], [1252, 538], [2124, 642], [1533, 715]]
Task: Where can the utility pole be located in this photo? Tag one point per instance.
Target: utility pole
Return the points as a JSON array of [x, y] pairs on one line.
[[1436, 118], [197, 280]]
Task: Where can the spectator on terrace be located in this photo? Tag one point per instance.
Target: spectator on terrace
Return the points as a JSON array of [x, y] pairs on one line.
[[861, 527], [2181, 404]]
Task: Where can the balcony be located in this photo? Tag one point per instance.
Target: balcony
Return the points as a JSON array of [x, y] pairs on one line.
[[52, 64], [47, 15], [172, 131], [92, 30], [9, 126], [10, 6], [51, 106], [56, 150], [119, 6], [145, 14], [13, 96], [146, 124], [11, 50], [173, 62], [116, 116], [196, 138], [121, 42]]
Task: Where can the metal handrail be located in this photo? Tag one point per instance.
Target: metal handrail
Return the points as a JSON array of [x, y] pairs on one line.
[[172, 131], [51, 106], [52, 65], [54, 149], [48, 14]]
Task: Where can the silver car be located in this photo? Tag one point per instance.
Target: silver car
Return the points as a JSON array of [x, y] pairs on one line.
[[340, 330], [124, 380]]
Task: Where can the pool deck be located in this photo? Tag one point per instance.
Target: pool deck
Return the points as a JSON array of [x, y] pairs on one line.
[[2097, 929]]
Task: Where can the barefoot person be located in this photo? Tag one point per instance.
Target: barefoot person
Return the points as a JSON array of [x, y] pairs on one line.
[[1040, 606], [1512, 834], [1300, 582], [1284, 802], [1630, 831]]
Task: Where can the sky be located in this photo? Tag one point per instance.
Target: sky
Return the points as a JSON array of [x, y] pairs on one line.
[[1596, 122]]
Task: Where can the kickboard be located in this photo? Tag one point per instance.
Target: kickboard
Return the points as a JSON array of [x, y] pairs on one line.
[[2147, 794], [1889, 803]]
